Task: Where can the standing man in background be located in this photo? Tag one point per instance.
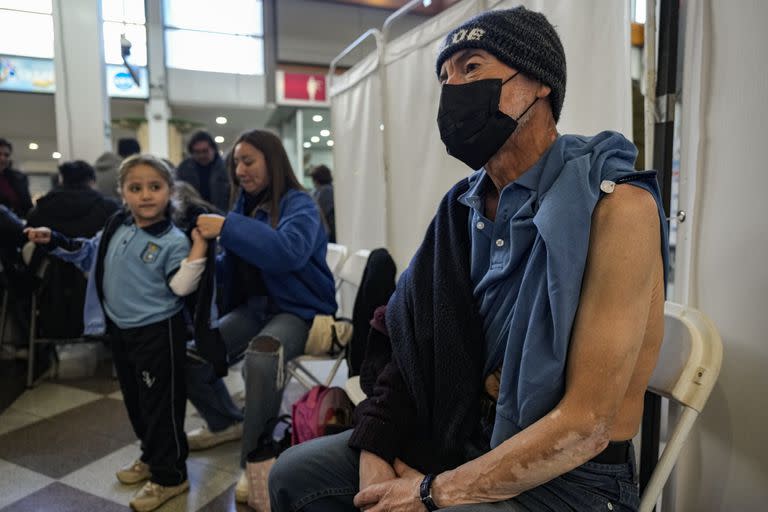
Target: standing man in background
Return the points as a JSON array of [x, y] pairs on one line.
[[106, 166], [205, 170], [14, 185]]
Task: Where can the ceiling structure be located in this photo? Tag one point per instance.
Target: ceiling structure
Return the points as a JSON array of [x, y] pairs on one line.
[[29, 118]]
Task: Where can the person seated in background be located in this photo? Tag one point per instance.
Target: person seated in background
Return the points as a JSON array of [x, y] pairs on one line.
[[205, 170], [108, 164], [75, 208], [527, 326], [14, 184], [274, 280], [322, 180]]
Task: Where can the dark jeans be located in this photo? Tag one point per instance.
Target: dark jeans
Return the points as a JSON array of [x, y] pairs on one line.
[[149, 361], [322, 475]]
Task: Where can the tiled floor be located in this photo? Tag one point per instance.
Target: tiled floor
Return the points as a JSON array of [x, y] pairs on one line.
[[61, 442]]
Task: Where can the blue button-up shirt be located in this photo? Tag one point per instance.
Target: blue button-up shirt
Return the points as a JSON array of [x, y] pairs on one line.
[[500, 251]]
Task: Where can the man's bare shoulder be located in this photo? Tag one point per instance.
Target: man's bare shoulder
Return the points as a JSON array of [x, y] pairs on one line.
[[626, 210]]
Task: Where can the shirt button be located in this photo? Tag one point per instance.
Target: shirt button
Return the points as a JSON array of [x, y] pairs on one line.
[[480, 225], [499, 243]]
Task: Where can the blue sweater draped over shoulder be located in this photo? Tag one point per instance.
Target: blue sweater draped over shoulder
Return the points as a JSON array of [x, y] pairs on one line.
[[437, 333]]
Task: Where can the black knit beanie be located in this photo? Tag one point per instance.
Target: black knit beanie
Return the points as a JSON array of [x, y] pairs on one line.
[[519, 38]]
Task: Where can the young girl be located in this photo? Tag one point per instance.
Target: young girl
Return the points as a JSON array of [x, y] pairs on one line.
[[140, 267]]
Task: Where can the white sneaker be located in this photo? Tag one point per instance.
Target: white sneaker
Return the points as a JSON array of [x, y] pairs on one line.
[[133, 473], [152, 495], [241, 489], [202, 438]]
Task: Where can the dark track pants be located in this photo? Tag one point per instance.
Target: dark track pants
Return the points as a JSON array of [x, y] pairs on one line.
[[149, 361]]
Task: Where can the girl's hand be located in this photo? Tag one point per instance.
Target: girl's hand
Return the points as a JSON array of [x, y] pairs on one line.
[[38, 235], [210, 225], [199, 245]]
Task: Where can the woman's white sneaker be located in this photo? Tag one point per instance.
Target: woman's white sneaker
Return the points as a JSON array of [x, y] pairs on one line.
[[202, 438]]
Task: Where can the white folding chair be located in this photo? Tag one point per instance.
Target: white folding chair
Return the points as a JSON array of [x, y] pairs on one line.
[[354, 391], [335, 257], [349, 278], [689, 364]]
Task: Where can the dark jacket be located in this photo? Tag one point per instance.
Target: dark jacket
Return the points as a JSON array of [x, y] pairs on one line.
[[190, 171], [20, 184], [11, 229], [429, 432], [376, 287], [73, 211]]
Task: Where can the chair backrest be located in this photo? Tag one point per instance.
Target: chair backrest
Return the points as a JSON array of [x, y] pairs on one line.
[[688, 367], [350, 277], [335, 257]]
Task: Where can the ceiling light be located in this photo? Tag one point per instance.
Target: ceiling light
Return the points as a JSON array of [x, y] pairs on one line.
[[307, 145], [219, 139], [221, 120], [325, 133], [33, 145], [315, 139], [317, 118], [56, 155], [381, 127], [329, 142], [426, 3]]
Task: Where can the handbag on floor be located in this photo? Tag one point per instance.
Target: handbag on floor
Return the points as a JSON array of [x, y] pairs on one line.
[[275, 439]]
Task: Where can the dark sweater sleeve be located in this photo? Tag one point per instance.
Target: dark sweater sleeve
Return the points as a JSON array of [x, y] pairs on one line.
[[385, 418]]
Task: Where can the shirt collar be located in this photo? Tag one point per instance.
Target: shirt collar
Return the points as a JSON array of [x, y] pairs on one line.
[[159, 228], [473, 197], [530, 179]]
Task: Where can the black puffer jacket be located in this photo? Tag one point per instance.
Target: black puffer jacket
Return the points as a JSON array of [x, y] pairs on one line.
[[74, 211]]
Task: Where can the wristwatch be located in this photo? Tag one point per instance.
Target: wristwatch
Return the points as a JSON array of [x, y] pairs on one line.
[[425, 493]]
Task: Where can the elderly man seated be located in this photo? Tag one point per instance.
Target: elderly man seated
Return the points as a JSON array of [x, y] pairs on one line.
[[526, 328]]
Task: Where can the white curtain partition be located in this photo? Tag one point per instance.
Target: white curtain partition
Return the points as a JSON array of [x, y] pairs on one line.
[[595, 34], [358, 174]]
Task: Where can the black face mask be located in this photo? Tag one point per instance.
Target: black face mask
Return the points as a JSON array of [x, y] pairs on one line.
[[471, 125]]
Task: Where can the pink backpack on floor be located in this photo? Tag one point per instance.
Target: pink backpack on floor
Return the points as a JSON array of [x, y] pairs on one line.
[[321, 411]]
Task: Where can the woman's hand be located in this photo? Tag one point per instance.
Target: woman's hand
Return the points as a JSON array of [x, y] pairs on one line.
[[199, 246], [210, 225], [38, 235]]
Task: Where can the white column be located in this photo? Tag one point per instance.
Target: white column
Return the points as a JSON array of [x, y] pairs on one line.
[[83, 124], [157, 110]]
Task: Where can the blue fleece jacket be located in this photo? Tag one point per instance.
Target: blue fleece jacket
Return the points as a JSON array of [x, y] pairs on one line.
[[291, 257]]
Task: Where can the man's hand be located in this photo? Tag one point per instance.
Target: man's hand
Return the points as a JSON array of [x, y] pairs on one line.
[[38, 235], [210, 225], [374, 469], [399, 494]]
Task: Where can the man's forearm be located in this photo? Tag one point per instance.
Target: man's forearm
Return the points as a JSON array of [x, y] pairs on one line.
[[550, 447]]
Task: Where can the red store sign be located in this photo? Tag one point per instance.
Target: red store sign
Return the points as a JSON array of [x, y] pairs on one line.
[[304, 89]]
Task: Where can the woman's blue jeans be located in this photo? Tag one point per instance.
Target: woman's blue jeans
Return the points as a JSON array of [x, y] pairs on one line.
[[266, 342]]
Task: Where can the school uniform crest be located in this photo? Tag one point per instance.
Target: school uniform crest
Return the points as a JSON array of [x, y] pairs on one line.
[[150, 252]]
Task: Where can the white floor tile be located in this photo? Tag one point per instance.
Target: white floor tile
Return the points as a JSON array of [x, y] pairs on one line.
[[17, 482], [11, 419], [117, 395], [98, 477], [49, 399]]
